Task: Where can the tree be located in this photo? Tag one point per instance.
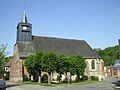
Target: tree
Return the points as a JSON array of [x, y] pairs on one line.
[[109, 54], [2, 53], [61, 65], [2, 56], [38, 63], [30, 64], [7, 59], [77, 65], [48, 63], [80, 66]]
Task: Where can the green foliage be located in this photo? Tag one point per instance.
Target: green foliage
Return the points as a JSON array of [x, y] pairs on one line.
[[77, 65], [84, 78], [25, 78], [59, 78], [2, 53], [3, 60], [6, 75], [61, 64], [109, 55], [7, 59], [44, 78], [49, 61], [38, 61], [65, 80], [30, 65], [94, 78]]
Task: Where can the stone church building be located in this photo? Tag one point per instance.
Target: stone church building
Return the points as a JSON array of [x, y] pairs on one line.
[[27, 44]]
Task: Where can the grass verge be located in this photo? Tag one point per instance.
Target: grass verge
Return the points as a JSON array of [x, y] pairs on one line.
[[59, 84]]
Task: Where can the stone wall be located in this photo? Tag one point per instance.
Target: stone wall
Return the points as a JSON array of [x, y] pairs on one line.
[[16, 66], [98, 71]]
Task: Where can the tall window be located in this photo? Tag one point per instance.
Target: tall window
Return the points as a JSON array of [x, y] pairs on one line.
[[93, 64]]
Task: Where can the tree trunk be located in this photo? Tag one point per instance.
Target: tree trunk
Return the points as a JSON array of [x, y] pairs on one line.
[[78, 78], [39, 77], [49, 78], [65, 75], [59, 77]]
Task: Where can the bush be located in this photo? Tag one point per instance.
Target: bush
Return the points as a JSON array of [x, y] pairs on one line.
[[84, 77], [94, 78], [25, 78], [44, 78], [65, 80], [6, 75], [59, 77]]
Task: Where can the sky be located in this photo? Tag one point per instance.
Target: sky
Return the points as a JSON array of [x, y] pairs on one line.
[[95, 21]]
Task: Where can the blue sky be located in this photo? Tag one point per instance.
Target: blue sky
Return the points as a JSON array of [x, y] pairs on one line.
[[95, 21]]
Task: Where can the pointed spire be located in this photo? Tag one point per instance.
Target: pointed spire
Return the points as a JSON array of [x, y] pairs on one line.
[[24, 18]]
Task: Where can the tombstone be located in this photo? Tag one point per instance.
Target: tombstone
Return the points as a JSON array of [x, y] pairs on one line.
[[32, 78], [68, 77]]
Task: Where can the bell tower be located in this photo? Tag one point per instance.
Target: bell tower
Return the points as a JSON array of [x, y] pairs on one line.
[[24, 29]]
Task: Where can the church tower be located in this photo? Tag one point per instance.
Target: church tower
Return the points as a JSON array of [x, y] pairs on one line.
[[24, 30]]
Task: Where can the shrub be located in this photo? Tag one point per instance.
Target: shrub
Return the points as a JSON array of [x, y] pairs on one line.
[[94, 78], [84, 77], [44, 78], [59, 77], [65, 80], [6, 76], [25, 78]]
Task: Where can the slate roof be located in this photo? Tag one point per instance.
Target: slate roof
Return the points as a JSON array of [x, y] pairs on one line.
[[24, 18], [59, 45], [116, 65], [25, 49]]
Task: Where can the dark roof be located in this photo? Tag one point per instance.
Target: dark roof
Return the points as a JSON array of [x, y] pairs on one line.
[[59, 45], [25, 49], [116, 65], [24, 18]]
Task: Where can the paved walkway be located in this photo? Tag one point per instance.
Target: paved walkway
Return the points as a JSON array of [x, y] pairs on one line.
[[108, 85]]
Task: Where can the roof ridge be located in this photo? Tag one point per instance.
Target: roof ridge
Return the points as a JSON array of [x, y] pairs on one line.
[[59, 38]]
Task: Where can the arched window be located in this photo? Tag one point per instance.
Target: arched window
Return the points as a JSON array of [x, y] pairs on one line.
[[93, 64]]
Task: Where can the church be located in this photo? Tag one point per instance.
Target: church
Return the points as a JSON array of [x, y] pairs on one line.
[[27, 44]]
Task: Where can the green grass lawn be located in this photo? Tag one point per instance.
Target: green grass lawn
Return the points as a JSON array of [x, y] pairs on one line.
[[59, 84]]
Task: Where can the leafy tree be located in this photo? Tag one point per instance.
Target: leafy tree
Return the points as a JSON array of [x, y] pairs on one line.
[[80, 66], [2, 53], [77, 65], [109, 55], [38, 63], [2, 56], [7, 59], [48, 63], [30, 64], [61, 65]]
